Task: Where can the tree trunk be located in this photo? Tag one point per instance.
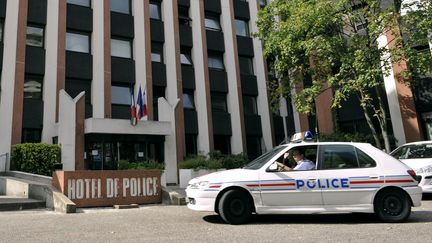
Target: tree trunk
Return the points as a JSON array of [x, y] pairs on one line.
[[370, 123], [381, 115]]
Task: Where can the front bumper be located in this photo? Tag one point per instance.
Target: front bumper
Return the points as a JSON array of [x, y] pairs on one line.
[[426, 183], [201, 200]]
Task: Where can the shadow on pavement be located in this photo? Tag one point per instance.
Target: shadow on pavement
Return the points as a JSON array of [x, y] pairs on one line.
[[353, 218]]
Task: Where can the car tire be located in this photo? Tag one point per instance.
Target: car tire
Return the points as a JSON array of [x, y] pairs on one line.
[[392, 206], [235, 207]]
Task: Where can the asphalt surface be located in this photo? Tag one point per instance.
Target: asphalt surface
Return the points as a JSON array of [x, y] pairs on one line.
[[159, 223]]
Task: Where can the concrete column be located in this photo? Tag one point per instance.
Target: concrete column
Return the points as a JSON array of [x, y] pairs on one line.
[[174, 89], [234, 99], [261, 74], [17, 115], [142, 50], [167, 113], [50, 79], [8, 76], [400, 100], [202, 80], [101, 51], [71, 130]]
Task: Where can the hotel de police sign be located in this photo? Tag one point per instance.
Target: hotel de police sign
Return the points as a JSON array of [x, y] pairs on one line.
[[109, 187]]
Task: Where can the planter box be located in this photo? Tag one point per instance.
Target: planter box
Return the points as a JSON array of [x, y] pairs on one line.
[[187, 174]]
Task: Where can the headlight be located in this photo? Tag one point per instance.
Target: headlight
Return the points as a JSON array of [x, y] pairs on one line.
[[198, 185], [424, 170]]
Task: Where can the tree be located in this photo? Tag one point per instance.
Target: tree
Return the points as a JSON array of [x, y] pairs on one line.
[[335, 43]]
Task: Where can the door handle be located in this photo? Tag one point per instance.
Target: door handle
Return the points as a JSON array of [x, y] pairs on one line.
[[374, 177]]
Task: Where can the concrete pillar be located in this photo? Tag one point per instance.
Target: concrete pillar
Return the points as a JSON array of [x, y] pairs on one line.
[[71, 130], [202, 80], [167, 113], [234, 99]]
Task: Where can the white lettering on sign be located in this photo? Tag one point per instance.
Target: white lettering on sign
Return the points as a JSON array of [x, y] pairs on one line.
[[91, 188], [138, 187], [84, 188]]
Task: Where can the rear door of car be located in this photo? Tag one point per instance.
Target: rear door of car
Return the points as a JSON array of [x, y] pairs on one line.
[[348, 176]]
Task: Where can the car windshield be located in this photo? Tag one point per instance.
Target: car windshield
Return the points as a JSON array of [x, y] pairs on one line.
[[260, 161], [417, 151]]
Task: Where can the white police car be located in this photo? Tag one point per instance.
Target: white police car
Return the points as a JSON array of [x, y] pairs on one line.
[[348, 177]]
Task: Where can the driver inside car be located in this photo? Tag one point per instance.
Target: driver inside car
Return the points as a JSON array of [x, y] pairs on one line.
[[298, 156]]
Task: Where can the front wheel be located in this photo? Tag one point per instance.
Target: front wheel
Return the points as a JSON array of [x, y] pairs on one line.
[[392, 206], [235, 207]]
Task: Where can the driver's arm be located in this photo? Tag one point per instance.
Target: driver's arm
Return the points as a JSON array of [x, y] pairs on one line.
[[282, 167]]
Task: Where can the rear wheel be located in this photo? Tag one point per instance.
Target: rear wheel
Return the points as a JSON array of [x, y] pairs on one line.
[[392, 206], [235, 207]]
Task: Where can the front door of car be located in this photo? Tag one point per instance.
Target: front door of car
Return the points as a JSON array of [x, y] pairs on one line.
[[348, 176], [291, 188]]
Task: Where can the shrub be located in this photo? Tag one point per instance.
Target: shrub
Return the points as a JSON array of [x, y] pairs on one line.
[[37, 158], [141, 165], [215, 160], [347, 137]]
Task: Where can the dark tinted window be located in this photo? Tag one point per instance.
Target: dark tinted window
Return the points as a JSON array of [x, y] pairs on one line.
[[414, 151], [364, 160], [338, 157]]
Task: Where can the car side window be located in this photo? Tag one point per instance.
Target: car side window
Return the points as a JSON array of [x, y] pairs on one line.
[[338, 157], [364, 160]]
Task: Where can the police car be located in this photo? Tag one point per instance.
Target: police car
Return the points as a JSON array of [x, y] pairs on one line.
[[348, 177]]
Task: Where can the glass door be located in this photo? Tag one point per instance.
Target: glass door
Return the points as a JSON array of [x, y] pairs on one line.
[[427, 120]]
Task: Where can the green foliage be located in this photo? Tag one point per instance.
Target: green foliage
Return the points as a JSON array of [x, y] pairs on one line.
[[335, 44], [214, 160], [347, 137], [37, 158], [143, 165]]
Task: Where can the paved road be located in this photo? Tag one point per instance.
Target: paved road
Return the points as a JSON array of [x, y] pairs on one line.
[[158, 223]]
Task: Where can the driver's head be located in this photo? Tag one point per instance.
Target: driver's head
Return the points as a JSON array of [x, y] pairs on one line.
[[297, 155]]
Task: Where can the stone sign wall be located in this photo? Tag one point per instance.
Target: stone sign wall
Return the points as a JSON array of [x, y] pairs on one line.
[[109, 187]]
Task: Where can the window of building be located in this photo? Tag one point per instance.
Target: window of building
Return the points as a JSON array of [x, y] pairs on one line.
[[253, 144], [78, 42], [35, 36], [191, 144], [155, 10], [31, 135], [184, 16], [120, 95], [185, 57], [242, 28], [219, 103], [188, 100], [85, 3], [121, 48], [250, 105], [212, 23], [222, 143], [121, 6], [157, 52], [246, 65], [215, 61], [75, 86], [1, 30], [33, 88]]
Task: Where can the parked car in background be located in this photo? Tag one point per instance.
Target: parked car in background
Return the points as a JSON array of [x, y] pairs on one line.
[[346, 177], [418, 156]]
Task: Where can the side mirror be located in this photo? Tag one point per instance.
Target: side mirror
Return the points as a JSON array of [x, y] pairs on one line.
[[273, 167]]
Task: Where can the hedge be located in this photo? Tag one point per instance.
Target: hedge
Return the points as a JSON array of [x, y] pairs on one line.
[[36, 158]]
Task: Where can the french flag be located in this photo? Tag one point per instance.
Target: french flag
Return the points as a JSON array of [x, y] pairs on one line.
[[141, 105], [133, 111]]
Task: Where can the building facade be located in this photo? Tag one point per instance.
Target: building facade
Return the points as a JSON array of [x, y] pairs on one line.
[[69, 68]]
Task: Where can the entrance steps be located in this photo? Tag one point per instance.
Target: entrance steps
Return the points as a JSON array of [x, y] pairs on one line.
[[14, 203], [20, 194]]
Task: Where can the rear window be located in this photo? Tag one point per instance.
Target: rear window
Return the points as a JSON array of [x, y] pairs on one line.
[[415, 151]]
